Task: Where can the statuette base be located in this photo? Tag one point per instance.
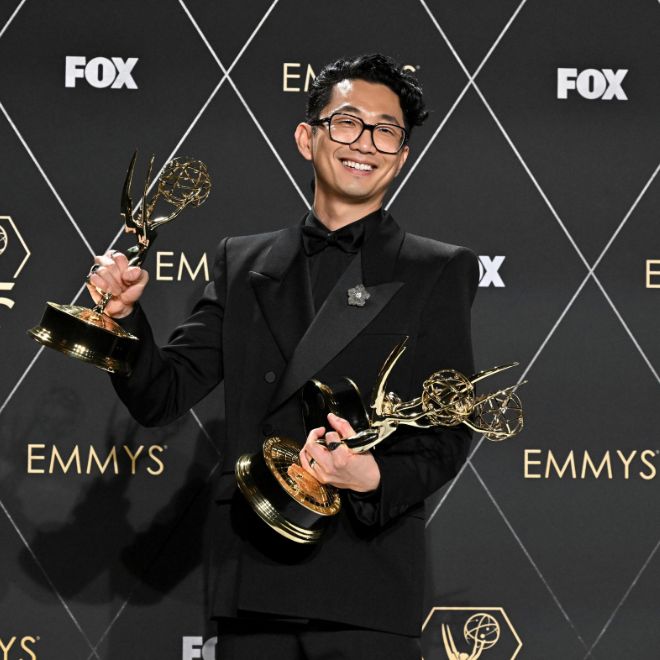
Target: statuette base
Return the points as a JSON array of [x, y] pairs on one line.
[[86, 335]]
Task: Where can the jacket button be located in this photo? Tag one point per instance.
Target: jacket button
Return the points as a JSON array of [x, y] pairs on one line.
[[270, 376], [267, 429]]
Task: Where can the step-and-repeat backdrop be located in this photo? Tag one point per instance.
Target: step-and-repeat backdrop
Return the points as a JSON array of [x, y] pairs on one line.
[[541, 154]]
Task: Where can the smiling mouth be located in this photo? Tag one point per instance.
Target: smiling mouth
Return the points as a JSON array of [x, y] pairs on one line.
[[357, 167]]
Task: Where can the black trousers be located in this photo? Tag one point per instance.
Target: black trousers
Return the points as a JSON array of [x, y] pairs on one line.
[[267, 639]]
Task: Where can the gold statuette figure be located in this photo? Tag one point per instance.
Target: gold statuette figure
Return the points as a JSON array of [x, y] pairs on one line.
[[448, 399], [297, 506], [481, 629], [90, 334]]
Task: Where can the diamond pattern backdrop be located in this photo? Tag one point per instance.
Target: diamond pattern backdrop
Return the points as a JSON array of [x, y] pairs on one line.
[[555, 532]]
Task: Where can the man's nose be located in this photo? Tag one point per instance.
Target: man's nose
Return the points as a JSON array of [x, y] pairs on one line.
[[365, 143]]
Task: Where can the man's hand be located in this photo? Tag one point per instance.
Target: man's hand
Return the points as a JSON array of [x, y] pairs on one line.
[[342, 467], [112, 274]]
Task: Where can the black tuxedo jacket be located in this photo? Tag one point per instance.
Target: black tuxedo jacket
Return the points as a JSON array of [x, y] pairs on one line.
[[255, 327]]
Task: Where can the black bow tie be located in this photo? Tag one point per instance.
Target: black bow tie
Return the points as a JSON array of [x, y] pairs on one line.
[[315, 239]]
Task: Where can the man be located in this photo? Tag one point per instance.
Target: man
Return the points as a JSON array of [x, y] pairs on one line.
[[276, 314]]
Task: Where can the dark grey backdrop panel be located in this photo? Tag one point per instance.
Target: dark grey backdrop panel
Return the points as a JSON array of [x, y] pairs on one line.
[[541, 154]]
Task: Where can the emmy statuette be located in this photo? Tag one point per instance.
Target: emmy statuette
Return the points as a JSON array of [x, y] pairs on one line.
[[91, 335], [297, 506], [481, 629]]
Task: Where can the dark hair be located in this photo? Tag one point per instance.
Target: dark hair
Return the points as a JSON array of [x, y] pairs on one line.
[[374, 68]]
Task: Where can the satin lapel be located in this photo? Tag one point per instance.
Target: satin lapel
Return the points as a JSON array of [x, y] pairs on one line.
[[337, 322], [282, 287]]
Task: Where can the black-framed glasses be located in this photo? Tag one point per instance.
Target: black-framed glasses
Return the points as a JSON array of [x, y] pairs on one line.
[[346, 129]]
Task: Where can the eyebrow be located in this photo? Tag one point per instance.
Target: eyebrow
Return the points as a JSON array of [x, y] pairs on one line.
[[351, 108]]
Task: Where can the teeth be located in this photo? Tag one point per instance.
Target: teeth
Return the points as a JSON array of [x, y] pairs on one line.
[[358, 166]]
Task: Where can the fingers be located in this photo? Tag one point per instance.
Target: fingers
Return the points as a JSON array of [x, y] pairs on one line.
[[332, 439], [310, 468], [107, 272], [338, 453], [119, 258], [136, 279], [112, 274], [132, 275], [327, 465], [325, 456], [314, 457], [318, 453], [315, 435], [313, 448], [340, 425]]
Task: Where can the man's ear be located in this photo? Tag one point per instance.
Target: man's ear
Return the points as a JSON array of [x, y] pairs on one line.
[[403, 158], [303, 138]]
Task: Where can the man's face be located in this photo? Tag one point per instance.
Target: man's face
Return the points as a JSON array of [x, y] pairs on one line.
[[357, 172]]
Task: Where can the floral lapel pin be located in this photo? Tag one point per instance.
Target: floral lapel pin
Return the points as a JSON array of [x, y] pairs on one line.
[[358, 296]]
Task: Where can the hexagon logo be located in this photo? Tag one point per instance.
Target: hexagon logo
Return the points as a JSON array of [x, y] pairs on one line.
[[469, 633], [14, 254]]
